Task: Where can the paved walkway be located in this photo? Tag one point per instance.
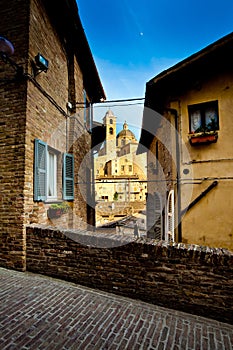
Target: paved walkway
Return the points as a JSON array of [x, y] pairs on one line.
[[38, 312]]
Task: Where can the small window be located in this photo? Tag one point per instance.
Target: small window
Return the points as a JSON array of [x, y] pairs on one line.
[[111, 131], [47, 167], [110, 121], [130, 168], [203, 117]]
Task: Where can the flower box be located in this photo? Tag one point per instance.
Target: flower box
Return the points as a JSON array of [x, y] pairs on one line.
[[57, 210], [203, 138], [54, 213]]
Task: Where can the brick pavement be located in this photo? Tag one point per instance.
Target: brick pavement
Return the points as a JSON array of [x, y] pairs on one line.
[[38, 312]]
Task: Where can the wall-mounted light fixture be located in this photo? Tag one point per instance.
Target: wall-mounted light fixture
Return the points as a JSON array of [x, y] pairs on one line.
[[41, 64], [7, 50], [6, 47]]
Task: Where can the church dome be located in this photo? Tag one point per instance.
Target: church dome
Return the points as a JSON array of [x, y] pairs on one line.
[[126, 133]]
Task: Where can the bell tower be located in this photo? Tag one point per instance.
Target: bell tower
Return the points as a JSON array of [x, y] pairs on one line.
[[109, 121]]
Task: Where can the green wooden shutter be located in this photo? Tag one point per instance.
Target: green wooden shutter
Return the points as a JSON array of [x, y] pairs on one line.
[[40, 170], [68, 176]]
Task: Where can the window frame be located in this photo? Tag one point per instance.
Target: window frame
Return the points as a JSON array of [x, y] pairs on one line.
[[42, 173], [202, 110]]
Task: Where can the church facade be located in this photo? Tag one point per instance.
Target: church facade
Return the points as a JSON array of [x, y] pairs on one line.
[[120, 174]]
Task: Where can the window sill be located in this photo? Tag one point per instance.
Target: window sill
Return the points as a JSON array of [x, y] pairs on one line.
[[203, 138], [53, 201]]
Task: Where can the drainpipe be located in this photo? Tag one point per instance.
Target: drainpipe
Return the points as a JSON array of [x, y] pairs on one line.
[[174, 112]]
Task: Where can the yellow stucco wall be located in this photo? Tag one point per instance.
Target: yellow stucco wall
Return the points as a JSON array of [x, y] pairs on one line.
[[209, 222]]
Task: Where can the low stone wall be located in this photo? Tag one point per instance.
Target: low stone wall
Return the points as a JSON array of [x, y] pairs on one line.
[[190, 278]]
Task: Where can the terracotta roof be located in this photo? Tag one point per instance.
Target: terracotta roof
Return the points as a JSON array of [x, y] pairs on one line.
[[126, 133]]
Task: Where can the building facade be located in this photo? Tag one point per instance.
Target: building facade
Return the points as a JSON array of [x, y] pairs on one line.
[[46, 88], [187, 129]]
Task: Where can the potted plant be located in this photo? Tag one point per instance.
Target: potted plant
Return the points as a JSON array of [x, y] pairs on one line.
[[204, 135], [57, 209]]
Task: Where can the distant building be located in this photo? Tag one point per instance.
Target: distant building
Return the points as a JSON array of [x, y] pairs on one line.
[[120, 174]]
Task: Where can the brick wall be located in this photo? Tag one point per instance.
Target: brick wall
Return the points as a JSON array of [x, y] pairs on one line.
[[34, 107], [13, 92], [62, 81], [194, 279]]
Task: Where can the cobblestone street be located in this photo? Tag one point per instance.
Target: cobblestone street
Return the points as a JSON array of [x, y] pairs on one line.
[[38, 312]]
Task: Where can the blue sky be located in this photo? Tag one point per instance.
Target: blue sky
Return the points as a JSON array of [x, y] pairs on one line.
[[132, 41]]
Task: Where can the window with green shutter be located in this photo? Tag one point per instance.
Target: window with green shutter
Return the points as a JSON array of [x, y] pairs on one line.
[[40, 171], [47, 168], [68, 177]]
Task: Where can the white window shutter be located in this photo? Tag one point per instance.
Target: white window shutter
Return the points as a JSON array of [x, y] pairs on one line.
[[170, 234]]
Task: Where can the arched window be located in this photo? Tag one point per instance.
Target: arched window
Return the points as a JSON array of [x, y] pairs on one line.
[[111, 131], [110, 121]]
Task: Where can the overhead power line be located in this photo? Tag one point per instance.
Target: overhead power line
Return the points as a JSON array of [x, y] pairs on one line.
[[113, 101], [119, 105], [122, 100]]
